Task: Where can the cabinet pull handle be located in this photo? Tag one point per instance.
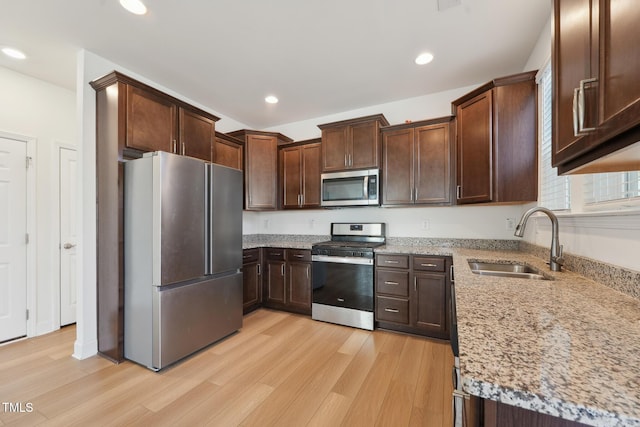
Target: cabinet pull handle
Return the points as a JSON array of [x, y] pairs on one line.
[[182, 147], [299, 256], [392, 310], [175, 147], [386, 282], [340, 299], [246, 256], [259, 272], [388, 261], [451, 274], [415, 284], [581, 106], [282, 269], [575, 112], [350, 160], [458, 191], [345, 160], [428, 265]]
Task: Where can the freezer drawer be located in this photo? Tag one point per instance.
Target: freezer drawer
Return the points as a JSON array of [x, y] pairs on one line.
[[181, 320]]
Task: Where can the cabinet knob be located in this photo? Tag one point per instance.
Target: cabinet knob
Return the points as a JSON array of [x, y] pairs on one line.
[[69, 245]]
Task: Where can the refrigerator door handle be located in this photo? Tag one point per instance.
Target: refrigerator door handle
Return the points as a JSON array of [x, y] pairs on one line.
[[208, 252]]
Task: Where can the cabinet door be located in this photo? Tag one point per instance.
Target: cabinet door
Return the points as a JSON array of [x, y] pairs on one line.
[[364, 146], [432, 165], [334, 149], [299, 286], [150, 121], [429, 303], [475, 149], [620, 85], [251, 285], [227, 153], [275, 282], [291, 174], [311, 165], [261, 174], [196, 135], [574, 46], [397, 167]]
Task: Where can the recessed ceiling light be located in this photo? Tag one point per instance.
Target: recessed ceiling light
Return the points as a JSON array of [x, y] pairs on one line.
[[424, 58], [134, 6], [13, 53], [271, 99]]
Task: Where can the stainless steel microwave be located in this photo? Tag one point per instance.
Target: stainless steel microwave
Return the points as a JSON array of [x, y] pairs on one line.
[[352, 188]]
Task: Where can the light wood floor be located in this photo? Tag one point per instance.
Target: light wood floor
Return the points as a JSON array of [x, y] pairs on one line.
[[279, 370]]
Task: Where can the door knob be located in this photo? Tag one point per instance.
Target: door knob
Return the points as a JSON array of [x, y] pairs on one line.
[[68, 246]]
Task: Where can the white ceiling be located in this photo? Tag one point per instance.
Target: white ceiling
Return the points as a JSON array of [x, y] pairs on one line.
[[319, 57]]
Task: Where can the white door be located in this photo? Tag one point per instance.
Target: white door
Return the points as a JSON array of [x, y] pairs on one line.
[[68, 237], [13, 239]]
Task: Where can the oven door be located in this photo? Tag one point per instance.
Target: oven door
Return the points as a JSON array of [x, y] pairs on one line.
[[343, 291]]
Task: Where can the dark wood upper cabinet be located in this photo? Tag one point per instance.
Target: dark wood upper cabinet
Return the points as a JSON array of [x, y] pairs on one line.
[[150, 120], [300, 174], [596, 90], [196, 135], [157, 122], [131, 118], [352, 144], [260, 168], [497, 141], [416, 163], [227, 151]]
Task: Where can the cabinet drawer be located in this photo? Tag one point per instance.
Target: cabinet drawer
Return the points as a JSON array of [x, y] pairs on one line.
[[392, 309], [250, 255], [428, 263], [298, 255], [392, 282], [393, 261], [275, 254]]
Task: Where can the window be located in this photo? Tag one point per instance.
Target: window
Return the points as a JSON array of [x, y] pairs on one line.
[[610, 187], [554, 190]]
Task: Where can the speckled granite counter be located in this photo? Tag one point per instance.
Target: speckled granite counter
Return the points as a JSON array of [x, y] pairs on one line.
[[568, 347], [288, 241]]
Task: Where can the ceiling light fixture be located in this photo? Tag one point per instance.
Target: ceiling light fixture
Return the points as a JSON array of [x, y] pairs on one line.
[[424, 58], [13, 53], [134, 6], [271, 99]]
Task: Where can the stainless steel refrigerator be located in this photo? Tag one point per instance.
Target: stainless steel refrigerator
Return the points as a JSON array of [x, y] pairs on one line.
[[182, 256]]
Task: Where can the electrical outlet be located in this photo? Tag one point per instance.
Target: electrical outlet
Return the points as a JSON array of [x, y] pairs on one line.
[[510, 223], [312, 223], [426, 224]]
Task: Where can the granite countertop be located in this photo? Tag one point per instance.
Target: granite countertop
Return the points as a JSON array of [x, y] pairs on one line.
[[281, 244], [568, 347]]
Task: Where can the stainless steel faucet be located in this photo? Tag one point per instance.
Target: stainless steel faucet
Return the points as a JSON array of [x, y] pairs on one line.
[[555, 259]]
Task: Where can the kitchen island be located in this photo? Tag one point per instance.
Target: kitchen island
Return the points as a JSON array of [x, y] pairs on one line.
[[568, 347]]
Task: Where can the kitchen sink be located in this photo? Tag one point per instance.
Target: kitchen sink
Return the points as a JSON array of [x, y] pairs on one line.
[[507, 269]]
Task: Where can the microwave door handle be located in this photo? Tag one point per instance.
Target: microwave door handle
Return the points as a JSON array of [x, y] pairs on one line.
[[366, 187]]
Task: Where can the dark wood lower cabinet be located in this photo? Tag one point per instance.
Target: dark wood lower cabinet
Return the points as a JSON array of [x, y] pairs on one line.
[[288, 280], [251, 280], [496, 414], [412, 294]]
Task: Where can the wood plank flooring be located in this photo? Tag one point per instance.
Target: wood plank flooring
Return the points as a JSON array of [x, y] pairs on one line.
[[281, 369]]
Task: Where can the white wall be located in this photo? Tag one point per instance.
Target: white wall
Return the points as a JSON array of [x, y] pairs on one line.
[[460, 222], [36, 109], [414, 109]]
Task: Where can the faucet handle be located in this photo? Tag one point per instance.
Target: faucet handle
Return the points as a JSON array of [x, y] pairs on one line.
[[558, 259]]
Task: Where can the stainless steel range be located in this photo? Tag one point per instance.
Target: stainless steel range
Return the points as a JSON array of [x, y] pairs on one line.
[[343, 274]]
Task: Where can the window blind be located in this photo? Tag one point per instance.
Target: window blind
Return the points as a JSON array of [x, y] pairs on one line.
[[555, 190], [607, 187]]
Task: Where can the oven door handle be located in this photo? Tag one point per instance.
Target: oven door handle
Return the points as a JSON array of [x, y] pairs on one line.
[[342, 260]]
